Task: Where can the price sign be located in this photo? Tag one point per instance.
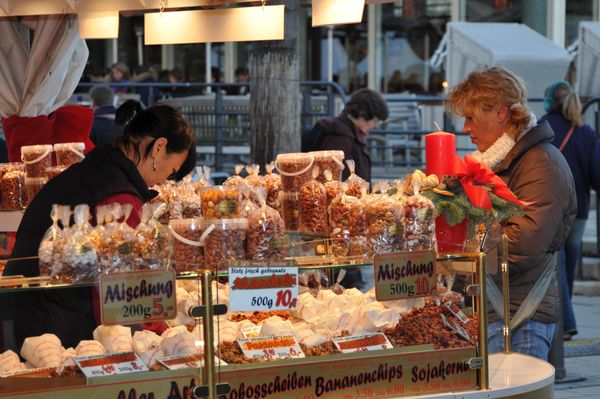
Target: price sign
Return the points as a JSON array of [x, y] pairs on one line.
[[271, 348], [41, 372], [137, 297], [263, 288], [401, 275], [110, 364], [183, 361], [362, 343], [250, 332]]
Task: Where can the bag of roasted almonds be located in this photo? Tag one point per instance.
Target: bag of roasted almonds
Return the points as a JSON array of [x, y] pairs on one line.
[[312, 202], [333, 187], [419, 221], [150, 246], [79, 257], [384, 217], [265, 236], [225, 240], [235, 179], [114, 244], [355, 185], [50, 249], [272, 182]]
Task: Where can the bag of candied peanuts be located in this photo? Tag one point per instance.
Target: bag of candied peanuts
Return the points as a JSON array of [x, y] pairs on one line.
[[384, 220], [355, 185], [150, 246], [312, 203], [51, 245], [265, 237], [333, 187], [114, 238], [79, 257], [419, 216], [272, 182], [235, 179]]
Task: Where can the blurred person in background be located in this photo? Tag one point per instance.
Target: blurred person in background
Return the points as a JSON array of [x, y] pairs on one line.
[[242, 75], [105, 130], [143, 74], [119, 73], [512, 143], [580, 146], [348, 131]]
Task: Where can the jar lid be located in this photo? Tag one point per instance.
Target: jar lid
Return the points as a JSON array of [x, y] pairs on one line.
[[193, 223], [4, 167], [36, 149], [329, 153], [294, 156], [226, 224], [80, 146]]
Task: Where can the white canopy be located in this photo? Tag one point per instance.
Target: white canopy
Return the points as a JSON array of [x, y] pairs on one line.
[[533, 57], [588, 59]]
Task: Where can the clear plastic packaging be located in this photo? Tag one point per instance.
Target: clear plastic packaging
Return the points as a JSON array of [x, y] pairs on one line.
[[36, 159], [332, 161], [150, 247], [312, 201], [187, 252], [220, 202], [34, 185], [49, 251], [79, 258], [189, 199], [54, 171], [272, 182], [225, 240], [253, 179], [115, 238], [290, 210], [203, 177], [235, 179], [295, 170], [68, 154], [384, 217], [420, 223], [12, 186], [355, 185], [333, 188], [266, 229]]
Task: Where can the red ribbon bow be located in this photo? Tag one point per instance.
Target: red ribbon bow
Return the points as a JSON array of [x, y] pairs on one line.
[[473, 174]]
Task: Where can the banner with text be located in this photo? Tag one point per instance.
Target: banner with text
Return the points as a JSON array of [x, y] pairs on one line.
[[137, 297], [401, 275], [263, 288]]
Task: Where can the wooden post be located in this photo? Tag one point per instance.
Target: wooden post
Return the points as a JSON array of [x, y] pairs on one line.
[[275, 102]]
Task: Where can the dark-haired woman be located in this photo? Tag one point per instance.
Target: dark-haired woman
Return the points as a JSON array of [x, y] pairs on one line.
[[348, 131], [580, 146], [157, 143]]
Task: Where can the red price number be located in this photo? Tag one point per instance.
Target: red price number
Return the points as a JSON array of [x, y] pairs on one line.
[[284, 298]]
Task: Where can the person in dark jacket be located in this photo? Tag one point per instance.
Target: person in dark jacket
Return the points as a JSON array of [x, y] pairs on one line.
[[157, 143], [348, 131], [105, 130], [519, 150], [582, 152], [3, 151]]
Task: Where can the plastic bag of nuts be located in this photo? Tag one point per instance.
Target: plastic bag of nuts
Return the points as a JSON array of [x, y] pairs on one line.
[[272, 182], [295, 170], [253, 179], [150, 246], [355, 185], [12, 186], [187, 252], [266, 238], [225, 240], [235, 180], [312, 202], [203, 177], [220, 202], [49, 250], [384, 217], [79, 257], [332, 161], [420, 223], [36, 159], [290, 210], [68, 154], [333, 188], [34, 185], [114, 238]]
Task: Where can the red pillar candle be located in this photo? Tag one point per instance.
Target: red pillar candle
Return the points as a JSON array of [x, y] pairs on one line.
[[440, 150]]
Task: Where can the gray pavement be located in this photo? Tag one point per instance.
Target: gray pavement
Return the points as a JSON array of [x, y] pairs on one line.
[[587, 313]]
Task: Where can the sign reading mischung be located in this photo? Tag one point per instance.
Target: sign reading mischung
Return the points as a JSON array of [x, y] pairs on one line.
[[401, 275], [263, 288], [136, 297]]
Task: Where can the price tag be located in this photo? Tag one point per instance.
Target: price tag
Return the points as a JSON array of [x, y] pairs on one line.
[[362, 343], [263, 288], [186, 361], [270, 348], [250, 332], [42, 372], [110, 364], [401, 275], [137, 297]]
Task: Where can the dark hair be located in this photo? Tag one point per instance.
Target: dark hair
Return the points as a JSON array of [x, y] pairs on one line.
[[102, 95], [177, 74], [241, 70], [368, 104], [156, 122]]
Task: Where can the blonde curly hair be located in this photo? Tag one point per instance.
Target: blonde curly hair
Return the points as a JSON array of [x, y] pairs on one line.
[[483, 90]]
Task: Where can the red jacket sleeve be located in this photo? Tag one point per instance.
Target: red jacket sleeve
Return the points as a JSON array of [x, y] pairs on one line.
[[125, 198]]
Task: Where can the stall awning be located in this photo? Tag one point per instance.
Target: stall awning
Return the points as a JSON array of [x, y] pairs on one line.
[[533, 57], [588, 59]]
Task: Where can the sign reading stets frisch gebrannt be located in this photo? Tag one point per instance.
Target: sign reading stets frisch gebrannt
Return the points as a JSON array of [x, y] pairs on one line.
[[401, 275], [263, 288], [136, 297]]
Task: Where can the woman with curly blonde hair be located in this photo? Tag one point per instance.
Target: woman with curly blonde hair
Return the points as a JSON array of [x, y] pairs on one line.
[[519, 149]]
